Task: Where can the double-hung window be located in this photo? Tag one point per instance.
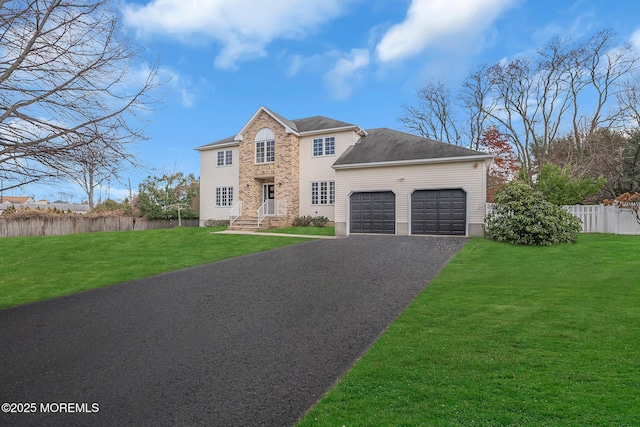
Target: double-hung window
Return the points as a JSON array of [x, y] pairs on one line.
[[224, 196], [324, 147], [323, 193], [265, 151], [318, 147], [329, 146], [265, 146], [225, 158], [271, 151]]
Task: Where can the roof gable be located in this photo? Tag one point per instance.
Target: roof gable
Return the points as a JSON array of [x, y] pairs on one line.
[[315, 124], [289, 126], [384, 145]]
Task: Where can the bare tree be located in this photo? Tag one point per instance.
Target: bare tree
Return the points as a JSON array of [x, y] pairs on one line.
[[474, 99], [629, 101], [65, 70], [612, 154], [566, 88], [91, 165], [433, 116]]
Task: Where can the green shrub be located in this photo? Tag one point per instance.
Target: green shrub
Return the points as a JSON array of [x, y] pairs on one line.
[[302, 221], [306, 221], [319, 221], [521, 215], [560, 188]]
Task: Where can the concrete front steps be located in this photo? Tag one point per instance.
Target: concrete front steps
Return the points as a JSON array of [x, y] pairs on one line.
[[246, 223], [250, 223]]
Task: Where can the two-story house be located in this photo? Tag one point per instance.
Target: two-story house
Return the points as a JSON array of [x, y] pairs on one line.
[[365, 181]]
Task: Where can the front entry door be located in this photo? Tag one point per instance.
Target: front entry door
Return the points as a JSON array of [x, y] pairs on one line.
[[268, 191]]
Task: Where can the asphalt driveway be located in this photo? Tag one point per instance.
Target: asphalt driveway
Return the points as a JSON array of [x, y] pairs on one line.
[[249, 341]]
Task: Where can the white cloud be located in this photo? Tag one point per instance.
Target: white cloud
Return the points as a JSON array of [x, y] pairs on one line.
[[179, 85], [243, 27], [431, 21], [299, 64], [113, 193], [345, 73], [635, 40], [187, 98]]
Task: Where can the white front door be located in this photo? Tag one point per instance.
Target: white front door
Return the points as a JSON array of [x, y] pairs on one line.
[[268, 195]]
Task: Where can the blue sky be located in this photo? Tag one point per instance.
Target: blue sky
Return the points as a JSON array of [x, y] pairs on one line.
[[357, 61]]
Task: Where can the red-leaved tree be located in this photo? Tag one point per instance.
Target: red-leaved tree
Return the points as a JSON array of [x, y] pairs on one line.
[[629, 202], [505, 164]]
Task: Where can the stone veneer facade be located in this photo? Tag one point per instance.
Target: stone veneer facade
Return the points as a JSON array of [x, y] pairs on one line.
[[283, 172]]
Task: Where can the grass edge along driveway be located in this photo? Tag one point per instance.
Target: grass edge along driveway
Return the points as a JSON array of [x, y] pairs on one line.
[[44, 267], [507, 335]]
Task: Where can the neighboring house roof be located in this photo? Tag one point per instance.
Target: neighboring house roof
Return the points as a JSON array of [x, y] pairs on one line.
[[389, 147], [80, 208], [15, 199], [74, 207]]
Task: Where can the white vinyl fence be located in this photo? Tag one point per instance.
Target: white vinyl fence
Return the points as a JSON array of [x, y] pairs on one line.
[[605, 219], [602, 219]]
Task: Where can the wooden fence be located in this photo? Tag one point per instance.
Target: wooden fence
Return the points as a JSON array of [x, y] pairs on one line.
[[602, 219], [55, 226]]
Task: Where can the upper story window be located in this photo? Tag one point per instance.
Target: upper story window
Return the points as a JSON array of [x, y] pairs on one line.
[[225, 158], [324, 147], [265, 146]]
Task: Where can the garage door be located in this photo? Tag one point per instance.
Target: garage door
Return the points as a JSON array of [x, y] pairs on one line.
[[439, 212], [373, 212]]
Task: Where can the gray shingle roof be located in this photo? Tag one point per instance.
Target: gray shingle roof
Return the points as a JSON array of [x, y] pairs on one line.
[[310, 124], [286, 121], [386, 145], [220, 142]]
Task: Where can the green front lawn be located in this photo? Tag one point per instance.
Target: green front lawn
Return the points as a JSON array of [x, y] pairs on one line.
[[38, 268], [507, 336]]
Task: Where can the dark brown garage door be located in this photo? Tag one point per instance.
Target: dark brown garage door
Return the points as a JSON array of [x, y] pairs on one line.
[[439, 212], [373, 212]]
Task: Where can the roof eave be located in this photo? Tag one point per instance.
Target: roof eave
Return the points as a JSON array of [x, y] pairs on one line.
[[355, 128], [458, 159], [216, 146]]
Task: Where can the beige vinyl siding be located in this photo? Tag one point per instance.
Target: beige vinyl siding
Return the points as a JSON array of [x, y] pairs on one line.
[[403, 180], [318, 169], [212, 176]]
